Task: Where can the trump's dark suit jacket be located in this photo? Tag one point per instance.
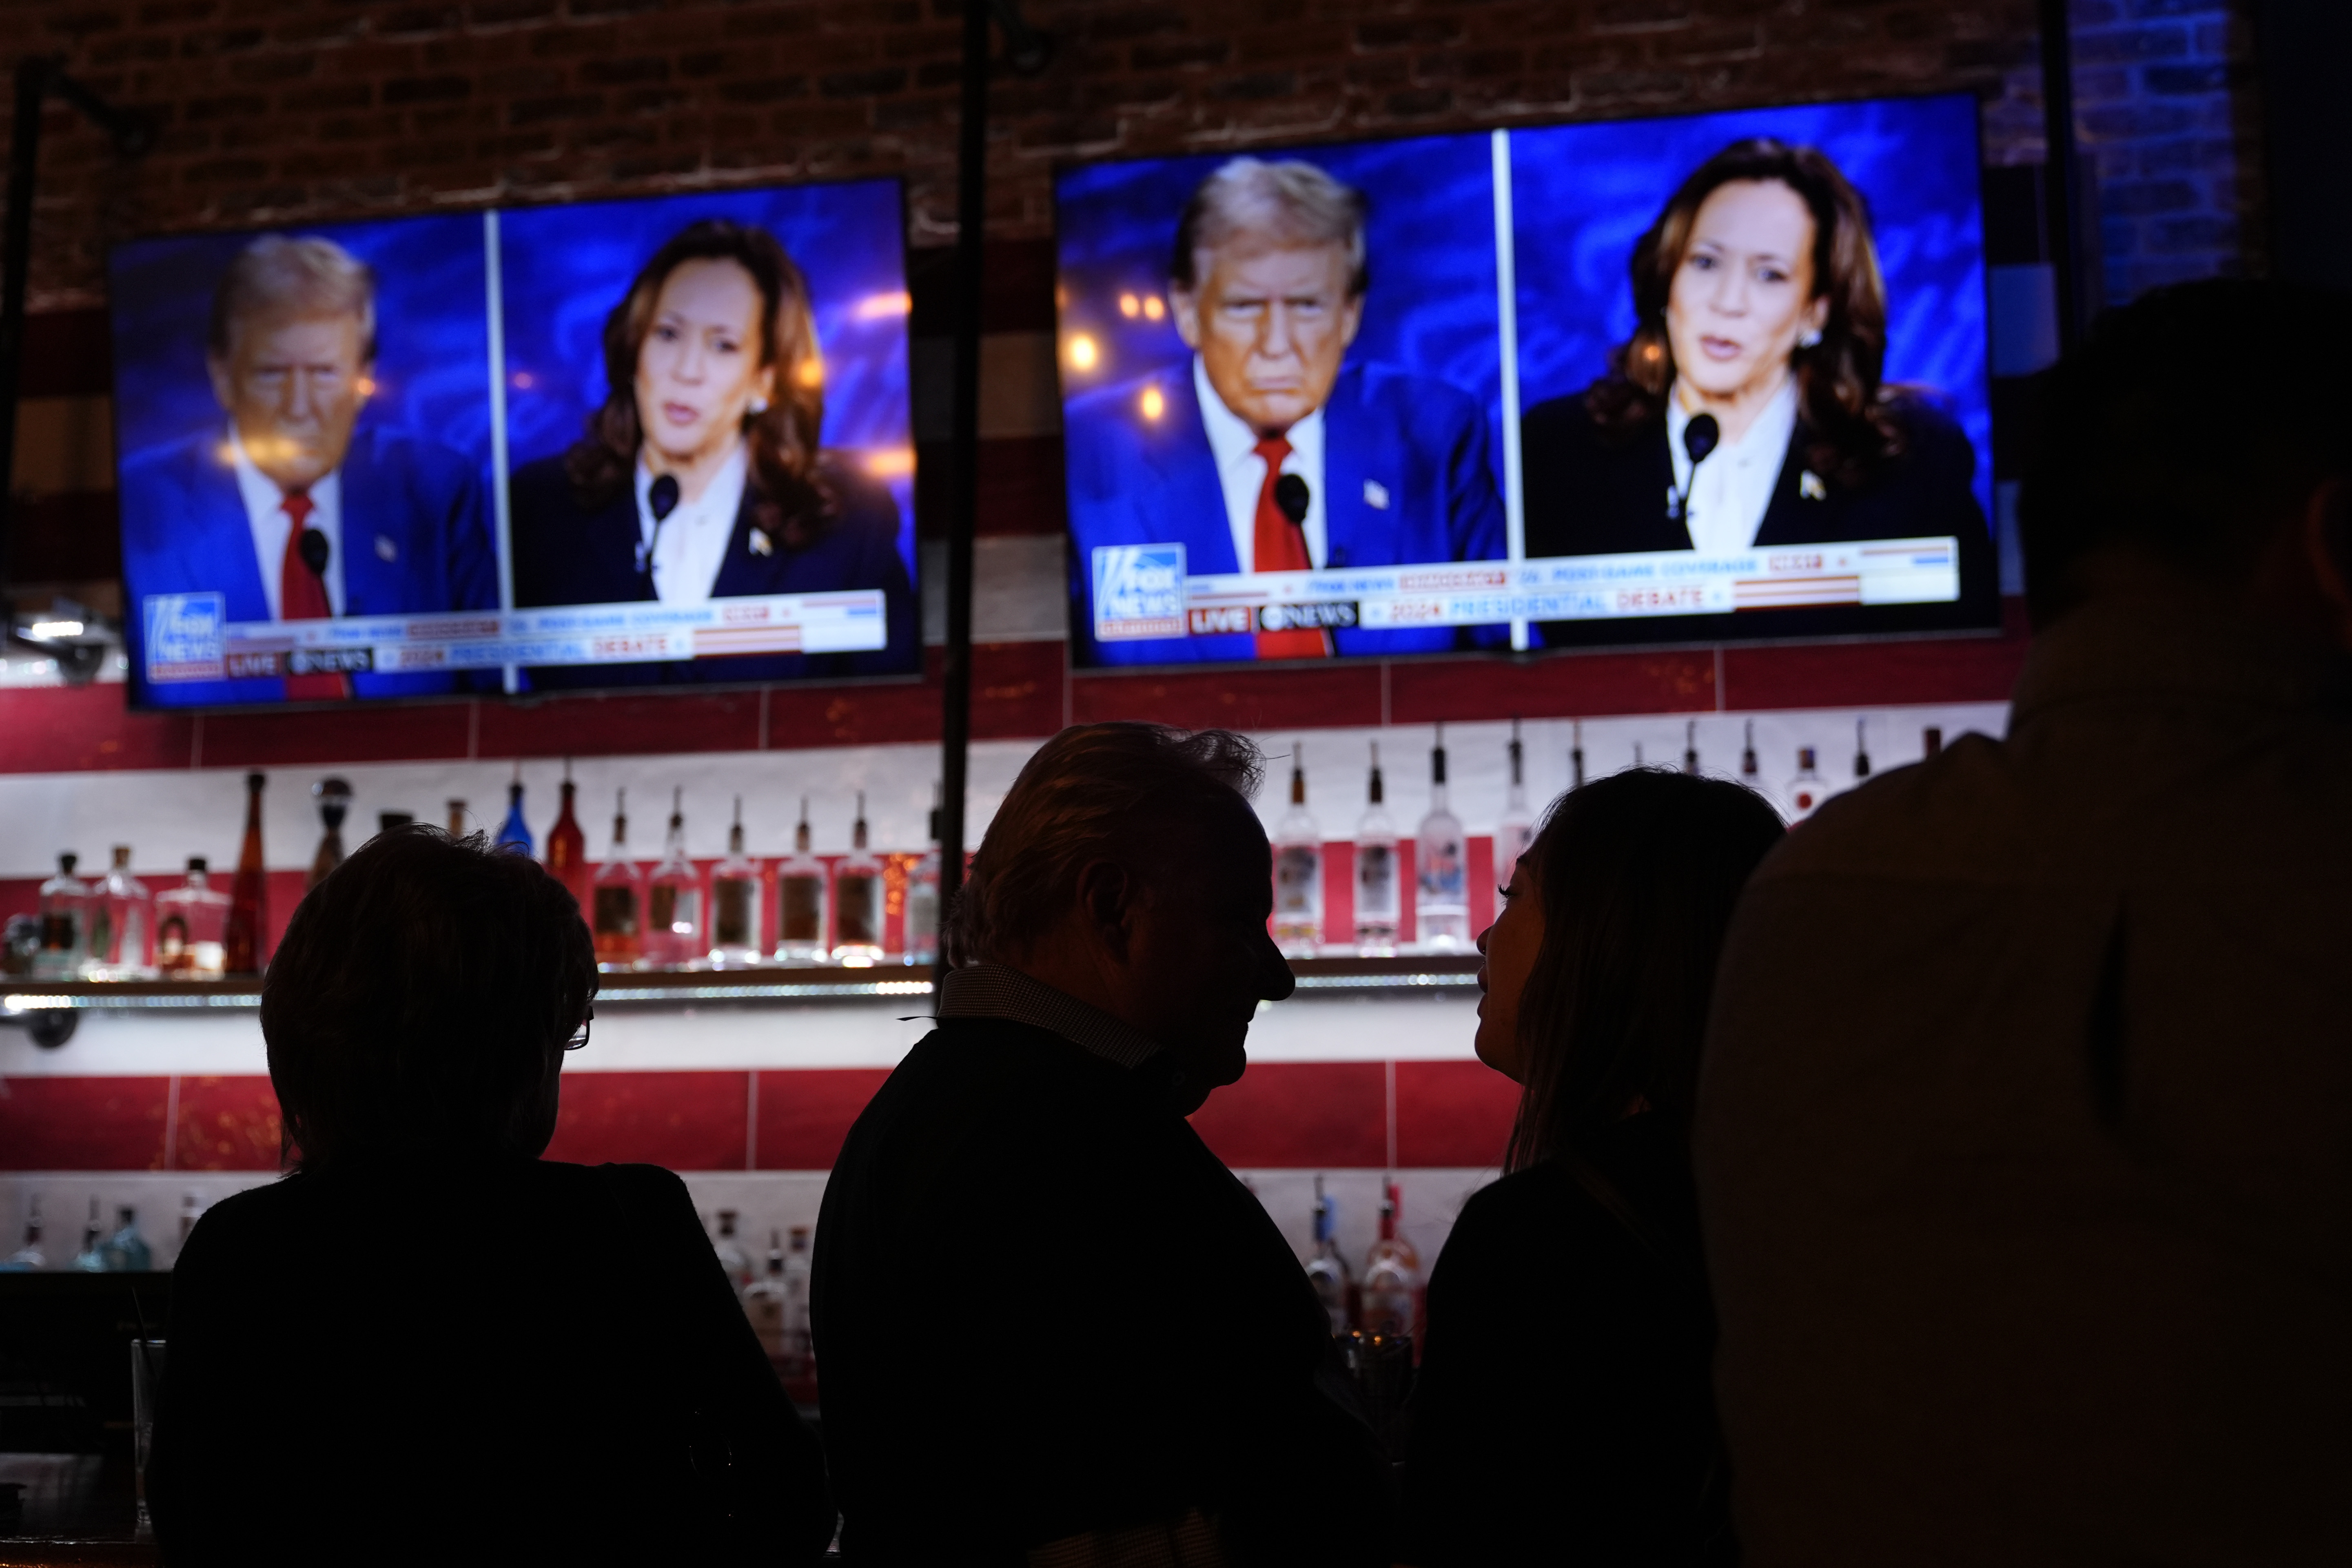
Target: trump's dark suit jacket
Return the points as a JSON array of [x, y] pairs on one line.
[[415, 538], [1406, 479], [568, 554]]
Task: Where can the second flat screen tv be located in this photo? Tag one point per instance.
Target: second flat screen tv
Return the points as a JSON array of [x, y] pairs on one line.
[[1683, 380], [641, 442]]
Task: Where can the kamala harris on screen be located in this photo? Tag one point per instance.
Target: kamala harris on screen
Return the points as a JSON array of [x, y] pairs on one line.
[[701, 476]]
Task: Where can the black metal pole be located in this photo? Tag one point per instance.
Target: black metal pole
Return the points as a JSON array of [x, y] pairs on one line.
[[963, 510], [15, 256], [2061, 175]]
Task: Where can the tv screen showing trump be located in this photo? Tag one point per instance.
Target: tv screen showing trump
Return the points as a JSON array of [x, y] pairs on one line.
[[629, 444], [1691, 379]]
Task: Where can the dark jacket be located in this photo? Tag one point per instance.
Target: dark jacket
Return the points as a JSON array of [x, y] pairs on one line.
[[1043, 1308], [1564, 1411], [530, 1362], [567, 554]]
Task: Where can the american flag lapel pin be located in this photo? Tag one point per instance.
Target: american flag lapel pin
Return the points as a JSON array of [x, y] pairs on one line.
[[761, 543], [1809, 485]]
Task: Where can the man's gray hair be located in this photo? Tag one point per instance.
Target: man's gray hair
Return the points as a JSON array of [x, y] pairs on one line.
[[281, 275], [1093, 791], [1291, 202]]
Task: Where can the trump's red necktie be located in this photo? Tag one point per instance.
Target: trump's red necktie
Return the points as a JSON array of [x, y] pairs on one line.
[[1281, 546], [302, 596]]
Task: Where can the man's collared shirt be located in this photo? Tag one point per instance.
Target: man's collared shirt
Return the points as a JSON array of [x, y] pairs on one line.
[[996, 991], [689, 545], [265, 510], [1736, 481], [1241, 472]]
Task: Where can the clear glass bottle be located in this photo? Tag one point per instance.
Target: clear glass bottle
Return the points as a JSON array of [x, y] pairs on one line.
[[673, 934], [91, 1259], [735, 903], [514, 833], [620, 890], [764, 1303], [567, 849], [192, 926], [64, 952], [1328, 1271], [1391, 1289], [732, 1256], [248, 901], [1861, 750], [801, 901], [191, 1208], [126, 1252], [29, 1257], [1750, 772], [1576, 757], [857, 900], [1516, 828], [1377, 899], [1441, 909], [1298, 869], [121, 923], [1690, 745], [334, 799], [1807, 789], [922, 918], [800, 1355]]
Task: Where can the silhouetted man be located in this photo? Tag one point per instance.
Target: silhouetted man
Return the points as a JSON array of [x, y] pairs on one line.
[[2025, 1140], [1053, 1327]]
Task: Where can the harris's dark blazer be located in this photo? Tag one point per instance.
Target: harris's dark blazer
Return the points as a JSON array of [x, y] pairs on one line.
[[1043, 1307], [567, 554], [1590, 492]]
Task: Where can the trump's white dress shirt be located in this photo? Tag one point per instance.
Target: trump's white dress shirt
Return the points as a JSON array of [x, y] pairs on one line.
[[1241, 472], [265, 512]]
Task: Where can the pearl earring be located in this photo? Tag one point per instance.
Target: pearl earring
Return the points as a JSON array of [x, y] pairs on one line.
[[759, 404], [1811, 337]]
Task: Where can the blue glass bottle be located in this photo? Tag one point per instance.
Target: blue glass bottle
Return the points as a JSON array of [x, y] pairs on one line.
[[514, 833]]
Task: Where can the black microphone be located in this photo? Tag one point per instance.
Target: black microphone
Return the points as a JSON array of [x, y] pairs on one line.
[[1699, 437], [1290, 494], [662, 496], [315, 549]]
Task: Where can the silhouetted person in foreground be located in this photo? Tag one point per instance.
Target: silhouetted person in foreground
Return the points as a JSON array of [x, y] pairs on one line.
[[1564, 1411], [2025, 1138], [1053, 1328], [427, 1344]]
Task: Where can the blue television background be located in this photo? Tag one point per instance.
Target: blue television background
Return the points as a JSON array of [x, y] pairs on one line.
[[433, 343], [562, 270], [1429, 242], [1582, 195]]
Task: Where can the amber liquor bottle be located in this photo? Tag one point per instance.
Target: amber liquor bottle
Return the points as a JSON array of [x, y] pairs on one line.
[[248, 896]]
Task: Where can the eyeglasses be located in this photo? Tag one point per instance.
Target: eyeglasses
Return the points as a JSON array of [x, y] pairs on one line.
[[579, 1042]]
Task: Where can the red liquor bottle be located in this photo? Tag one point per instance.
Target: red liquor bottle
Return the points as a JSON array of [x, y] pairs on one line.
[[248, 901], [567, 848]]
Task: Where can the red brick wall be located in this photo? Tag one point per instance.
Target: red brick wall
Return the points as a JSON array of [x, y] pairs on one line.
[[286, 110]]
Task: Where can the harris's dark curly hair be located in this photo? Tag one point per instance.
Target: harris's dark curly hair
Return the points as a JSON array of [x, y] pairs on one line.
[[1850, 414], [790, 495]]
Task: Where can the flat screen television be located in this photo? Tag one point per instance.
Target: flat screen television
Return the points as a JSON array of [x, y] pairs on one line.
[[636, 443], [1710, 376]]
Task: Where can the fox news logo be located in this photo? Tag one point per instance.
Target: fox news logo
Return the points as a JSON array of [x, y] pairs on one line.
[[1139, 591], [187, 636]]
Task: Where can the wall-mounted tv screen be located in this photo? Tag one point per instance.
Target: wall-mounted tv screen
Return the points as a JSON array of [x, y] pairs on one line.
[[1675, 380], [621, 443]]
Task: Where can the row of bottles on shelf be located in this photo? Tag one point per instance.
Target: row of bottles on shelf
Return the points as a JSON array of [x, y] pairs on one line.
[[1385, 1300], [123, 1250], [776, 1300]]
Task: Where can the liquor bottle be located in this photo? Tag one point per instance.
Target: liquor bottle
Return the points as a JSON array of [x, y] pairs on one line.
[[123, 916], [673, 936], [126, 1252], [334, 798], [192, 927], [1440, 876], [799, 1352], [764, 1303], [64, 953], [567, 847], [732, 1256], [1377, 911], [1516, 829], [1391, 1287], [91, 1260], [800, 901], [922, 918], [1861, 750], [1931, 742], [393, 821], [1297, 870], [1328, 1271], [1807, 789], [1576, 757], [248, 903], [456, 819], [1690, 745], [735, 903], [29, 1257], [514, 833], [191, 1208], [619, 896], [857, 900], [1751, 773]]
